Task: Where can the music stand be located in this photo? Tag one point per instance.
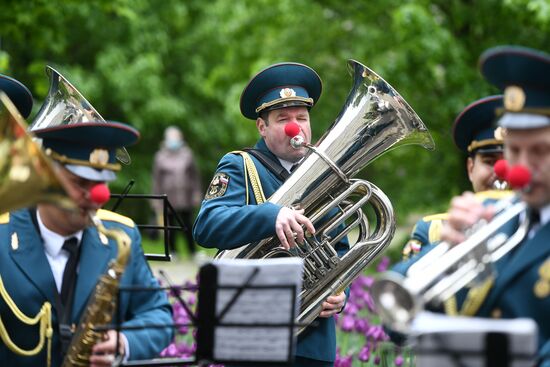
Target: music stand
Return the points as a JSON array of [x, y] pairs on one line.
[[166, 228], [238, 320], [445, 341]]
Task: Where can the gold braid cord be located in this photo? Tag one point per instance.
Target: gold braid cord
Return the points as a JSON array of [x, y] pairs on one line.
[[44, 316], [475, 297], [251, 174]]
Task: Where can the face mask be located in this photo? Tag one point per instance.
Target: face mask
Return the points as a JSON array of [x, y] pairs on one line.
[[173, 144]]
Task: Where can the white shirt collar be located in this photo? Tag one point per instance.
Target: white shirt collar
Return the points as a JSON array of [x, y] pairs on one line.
[[286, 164], [53, 242], [545, 215]]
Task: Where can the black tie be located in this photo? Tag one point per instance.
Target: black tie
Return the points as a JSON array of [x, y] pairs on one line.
[[69, 274], [534, 220], [294, 167]]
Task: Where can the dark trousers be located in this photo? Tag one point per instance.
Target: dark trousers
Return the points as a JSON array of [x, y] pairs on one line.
[[186, 216]]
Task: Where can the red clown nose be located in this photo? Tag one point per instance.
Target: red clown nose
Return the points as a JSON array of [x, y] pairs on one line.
[[501, 169], [292, 129], [100, 194], [519, 177]]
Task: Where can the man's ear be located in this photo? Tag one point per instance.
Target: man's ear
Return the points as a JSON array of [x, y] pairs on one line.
[[260, 125], [470, 166]]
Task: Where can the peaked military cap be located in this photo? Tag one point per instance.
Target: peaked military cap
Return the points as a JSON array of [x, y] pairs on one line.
[[88, 149], [280, 85], [18, 94], [523, 74], [474, 129]]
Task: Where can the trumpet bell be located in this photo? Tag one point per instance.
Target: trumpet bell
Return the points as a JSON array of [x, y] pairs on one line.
[[65, 105], [26, 174], [394, 302]]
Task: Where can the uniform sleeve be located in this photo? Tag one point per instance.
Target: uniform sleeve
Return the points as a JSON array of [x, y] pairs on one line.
[[225, 221], [417, 239], [146, 308]]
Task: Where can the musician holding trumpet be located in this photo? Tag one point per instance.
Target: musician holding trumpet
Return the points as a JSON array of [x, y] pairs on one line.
[[234, 212], [522, 285], [474, 134], [509, 255]]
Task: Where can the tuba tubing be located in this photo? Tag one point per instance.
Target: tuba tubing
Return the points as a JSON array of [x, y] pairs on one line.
[[373, 120]]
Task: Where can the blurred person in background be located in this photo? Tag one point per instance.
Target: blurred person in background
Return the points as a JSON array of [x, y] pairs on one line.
[[175, 174]]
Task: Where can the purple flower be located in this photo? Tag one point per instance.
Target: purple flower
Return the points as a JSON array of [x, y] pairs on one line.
[[377, 360], [399, 361], [368, 281], [170, 351], [347, 323], [364, 354], [344, 361], [361, 325], [383, 264], [351, 309]]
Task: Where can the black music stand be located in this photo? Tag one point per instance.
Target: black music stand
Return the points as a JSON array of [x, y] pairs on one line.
[[166, 228], [445, 341], [232, 301]]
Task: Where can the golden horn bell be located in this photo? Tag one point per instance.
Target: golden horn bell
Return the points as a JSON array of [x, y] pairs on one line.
[[27, 176]]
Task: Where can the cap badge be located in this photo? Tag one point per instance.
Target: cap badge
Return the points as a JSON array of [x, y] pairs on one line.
[[514, 98], [99, 157], [499, 133], [287, 93]]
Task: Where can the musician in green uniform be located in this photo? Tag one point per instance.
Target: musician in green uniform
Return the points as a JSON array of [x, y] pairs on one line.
[[521, 285], [235, 212], [475, 135], [51, 259]]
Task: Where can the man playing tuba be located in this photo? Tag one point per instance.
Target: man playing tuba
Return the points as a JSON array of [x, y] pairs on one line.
[[233, 212]]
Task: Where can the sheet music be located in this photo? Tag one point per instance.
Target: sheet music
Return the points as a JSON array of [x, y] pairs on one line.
[[257, 306]]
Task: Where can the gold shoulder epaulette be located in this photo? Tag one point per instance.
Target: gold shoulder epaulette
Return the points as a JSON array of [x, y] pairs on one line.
[[440, 216], [4, 218], [494, 194], [115, 217]]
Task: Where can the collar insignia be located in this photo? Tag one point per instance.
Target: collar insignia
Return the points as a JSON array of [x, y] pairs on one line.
[[514, 98], [99, 156], [287, 93]]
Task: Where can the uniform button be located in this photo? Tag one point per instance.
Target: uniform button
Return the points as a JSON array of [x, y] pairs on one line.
[[496, 313]]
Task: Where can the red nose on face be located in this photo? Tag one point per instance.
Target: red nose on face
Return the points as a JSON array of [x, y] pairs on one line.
[[292, 129], [519, 176], [100, 194], [501, 169]]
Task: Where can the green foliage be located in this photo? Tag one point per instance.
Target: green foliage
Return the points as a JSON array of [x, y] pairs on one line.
[[154, 64]]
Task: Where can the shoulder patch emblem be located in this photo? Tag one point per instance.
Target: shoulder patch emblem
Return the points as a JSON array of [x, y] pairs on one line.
[[218, 186]]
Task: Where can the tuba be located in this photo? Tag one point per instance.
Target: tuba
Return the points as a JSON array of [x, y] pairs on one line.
[[374, 120], [65, 105]]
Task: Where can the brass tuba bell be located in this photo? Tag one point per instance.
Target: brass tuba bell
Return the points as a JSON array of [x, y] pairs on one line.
[[26, 175], [65, 105]]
